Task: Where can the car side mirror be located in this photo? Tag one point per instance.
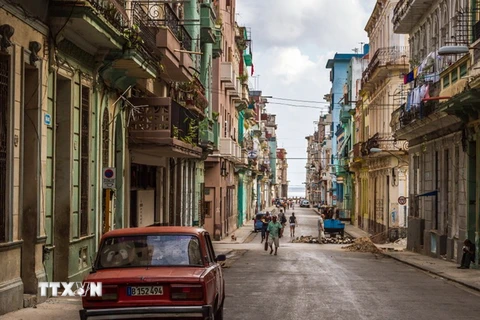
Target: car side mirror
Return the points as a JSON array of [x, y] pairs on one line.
[[221, 257]]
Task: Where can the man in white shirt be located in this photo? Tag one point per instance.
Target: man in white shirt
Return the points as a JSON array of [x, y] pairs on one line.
[[321, 228]]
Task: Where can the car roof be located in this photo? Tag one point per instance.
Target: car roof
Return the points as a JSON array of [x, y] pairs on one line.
[[154, 230]]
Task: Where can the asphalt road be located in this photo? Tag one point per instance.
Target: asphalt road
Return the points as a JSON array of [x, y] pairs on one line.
[[312, 281]]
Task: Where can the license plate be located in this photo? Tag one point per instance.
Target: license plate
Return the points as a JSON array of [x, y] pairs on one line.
[[145, 291]]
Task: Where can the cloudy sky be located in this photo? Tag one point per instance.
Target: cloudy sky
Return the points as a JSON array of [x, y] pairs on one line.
[[292, 41]]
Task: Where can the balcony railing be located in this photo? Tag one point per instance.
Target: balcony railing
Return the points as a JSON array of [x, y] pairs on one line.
[[357, 150], [396, 55], [150, 16], [158, 122], [407, 13], [113, 11]]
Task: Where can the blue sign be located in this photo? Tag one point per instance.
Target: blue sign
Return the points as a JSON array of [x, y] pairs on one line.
[[47, 119]]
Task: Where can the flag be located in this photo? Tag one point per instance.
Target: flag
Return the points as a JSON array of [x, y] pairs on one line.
[[252, 71]]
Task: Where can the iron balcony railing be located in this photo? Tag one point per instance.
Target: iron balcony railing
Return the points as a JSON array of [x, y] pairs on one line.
[[113, 11], [150, 16], [396, 55]]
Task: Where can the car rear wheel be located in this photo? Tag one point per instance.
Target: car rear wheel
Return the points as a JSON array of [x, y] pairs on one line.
[[219, 312]]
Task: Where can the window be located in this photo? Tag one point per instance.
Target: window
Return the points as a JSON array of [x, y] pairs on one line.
[[105, 137], [4, 109], [463, 70], [85, 158], [446, 81], [150, 250], [454, 76]]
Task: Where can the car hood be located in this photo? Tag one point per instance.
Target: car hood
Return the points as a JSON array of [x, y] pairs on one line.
[[123, 275]]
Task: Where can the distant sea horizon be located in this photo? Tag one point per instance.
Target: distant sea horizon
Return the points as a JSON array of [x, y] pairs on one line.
[[296, 191]]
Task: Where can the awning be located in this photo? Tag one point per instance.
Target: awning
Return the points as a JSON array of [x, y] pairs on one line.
[[428, 194]]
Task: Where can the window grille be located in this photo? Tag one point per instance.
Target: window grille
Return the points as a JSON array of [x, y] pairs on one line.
[[85, 168]]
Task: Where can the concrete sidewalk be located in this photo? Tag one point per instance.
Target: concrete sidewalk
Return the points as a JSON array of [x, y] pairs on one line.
[[439, 267]]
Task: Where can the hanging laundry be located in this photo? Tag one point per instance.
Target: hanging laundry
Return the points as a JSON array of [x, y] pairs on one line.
[[410, 77], [408, 105], [415, 72], [405, 78]]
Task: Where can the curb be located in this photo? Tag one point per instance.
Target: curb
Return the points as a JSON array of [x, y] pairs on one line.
[[431, 272]]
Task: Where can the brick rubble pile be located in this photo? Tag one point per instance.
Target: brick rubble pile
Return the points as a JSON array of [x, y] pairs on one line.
[[331, 240], [362, 245]]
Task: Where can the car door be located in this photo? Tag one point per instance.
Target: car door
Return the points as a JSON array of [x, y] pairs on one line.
[[216, 268]]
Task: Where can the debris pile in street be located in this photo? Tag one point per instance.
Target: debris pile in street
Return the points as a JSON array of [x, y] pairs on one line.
[[401, 241], [363, 245], [331, 240], [337, 240], [305, 239]]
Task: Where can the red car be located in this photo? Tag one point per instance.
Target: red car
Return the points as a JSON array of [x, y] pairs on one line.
[[164, 272]]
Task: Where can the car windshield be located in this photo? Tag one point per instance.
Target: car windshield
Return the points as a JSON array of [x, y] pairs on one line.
[[150, 250]]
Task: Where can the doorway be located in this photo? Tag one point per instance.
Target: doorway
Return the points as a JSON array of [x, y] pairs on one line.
[[30, 177]]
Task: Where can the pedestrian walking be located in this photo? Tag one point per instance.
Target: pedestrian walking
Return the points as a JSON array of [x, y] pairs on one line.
[[282, 218], [293, 224], [468, 254], [274, 233], [321, 227], [266, 219]]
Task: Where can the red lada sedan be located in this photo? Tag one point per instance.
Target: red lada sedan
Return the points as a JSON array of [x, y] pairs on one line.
[[150, 272]]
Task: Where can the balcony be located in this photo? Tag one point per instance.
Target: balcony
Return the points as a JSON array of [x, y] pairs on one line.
[[345, 115], [163, 35], [227, 75], [207, 23], [230, 150], [206, 134], [270, 120], [357, 150], [421, 120], [91, 24], [384, 61], [236, 94], [191, 95], [408, 13], [161, 126], [217, 48]]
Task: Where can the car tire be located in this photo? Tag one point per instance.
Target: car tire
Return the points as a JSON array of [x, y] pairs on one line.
[[219, 313]]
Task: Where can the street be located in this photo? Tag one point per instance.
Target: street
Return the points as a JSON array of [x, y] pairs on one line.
[[311, 281]]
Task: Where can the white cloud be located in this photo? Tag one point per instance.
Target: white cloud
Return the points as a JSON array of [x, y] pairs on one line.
[[292, 42]]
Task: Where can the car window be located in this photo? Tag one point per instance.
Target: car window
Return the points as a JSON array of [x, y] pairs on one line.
[[210, 250], [150, 250]]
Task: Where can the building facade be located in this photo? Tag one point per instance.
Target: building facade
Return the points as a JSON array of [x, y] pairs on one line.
[[441, 129], [384, 88], [24, 74], [338, 66]]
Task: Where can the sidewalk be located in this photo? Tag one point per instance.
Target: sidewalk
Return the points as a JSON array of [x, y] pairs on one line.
[[442, 268]]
